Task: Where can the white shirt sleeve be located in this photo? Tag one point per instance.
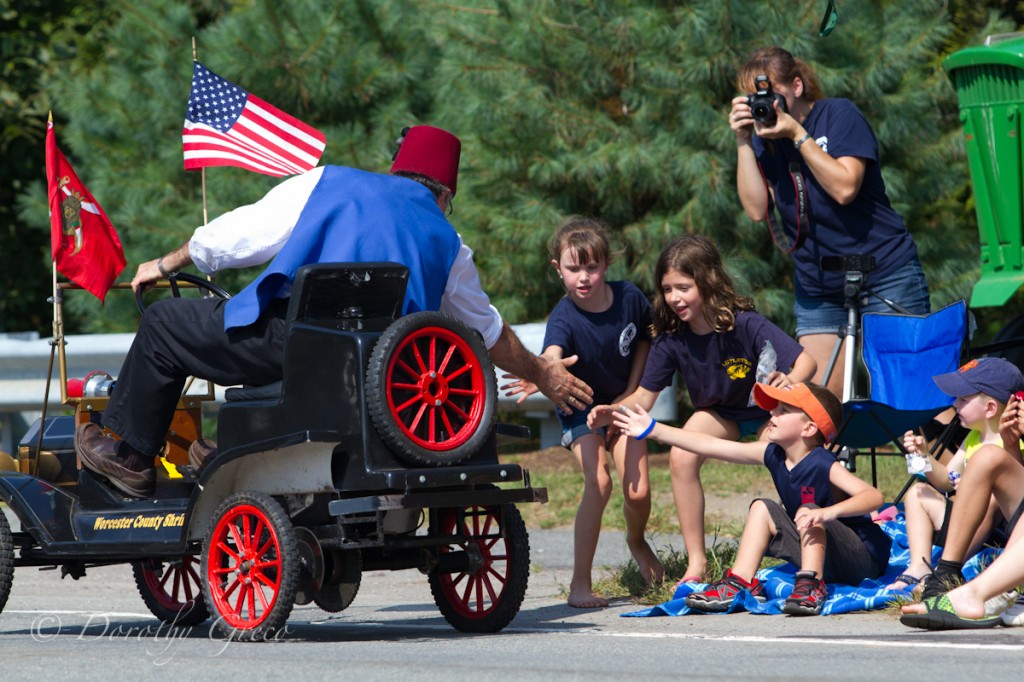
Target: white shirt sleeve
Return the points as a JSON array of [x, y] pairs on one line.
[[253, 234], [465, 299]]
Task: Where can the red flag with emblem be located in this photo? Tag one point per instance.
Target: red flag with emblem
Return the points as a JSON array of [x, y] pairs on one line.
[[85, 246]]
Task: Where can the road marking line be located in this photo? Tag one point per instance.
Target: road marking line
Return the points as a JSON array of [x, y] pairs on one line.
[[778, 640]]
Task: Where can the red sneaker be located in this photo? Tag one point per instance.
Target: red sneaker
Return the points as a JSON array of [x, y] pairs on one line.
[[807, 597], [719, 596]]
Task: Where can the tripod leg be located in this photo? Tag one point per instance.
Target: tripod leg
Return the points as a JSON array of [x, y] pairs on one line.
[[832, 359]]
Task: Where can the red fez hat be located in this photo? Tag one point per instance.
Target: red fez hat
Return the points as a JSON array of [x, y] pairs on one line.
[[432, 152]]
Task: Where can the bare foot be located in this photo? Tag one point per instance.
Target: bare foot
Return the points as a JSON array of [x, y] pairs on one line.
[[693, 573], [585, 598], [650, 566], [966, 603]]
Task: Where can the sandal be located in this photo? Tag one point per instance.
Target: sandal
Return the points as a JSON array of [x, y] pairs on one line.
[[911, 581], [940, 615], [697, 579]]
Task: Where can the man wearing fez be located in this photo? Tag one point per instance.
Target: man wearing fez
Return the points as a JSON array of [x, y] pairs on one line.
[[330, 214]]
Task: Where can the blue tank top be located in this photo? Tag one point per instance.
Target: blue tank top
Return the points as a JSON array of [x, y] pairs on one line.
[[357, 216]]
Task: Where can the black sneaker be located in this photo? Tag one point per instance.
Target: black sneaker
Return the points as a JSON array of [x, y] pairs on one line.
[[718, 596], [807, 597], [936, 584]]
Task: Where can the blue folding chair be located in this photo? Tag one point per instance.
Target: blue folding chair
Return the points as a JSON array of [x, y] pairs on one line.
[[901, 354]]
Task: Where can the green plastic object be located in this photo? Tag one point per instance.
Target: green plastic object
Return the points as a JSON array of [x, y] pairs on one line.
[[989, 82]]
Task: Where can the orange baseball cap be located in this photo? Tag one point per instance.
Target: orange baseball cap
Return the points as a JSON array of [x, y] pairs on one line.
[[797, 395]]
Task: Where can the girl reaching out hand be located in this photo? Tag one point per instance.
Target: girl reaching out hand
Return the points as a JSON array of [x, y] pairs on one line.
[[604, 324], [713, 337]]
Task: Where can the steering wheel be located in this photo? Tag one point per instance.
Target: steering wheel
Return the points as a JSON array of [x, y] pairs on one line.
[[199, 283]]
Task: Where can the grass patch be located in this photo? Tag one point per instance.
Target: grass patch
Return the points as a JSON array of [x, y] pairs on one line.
[[626, 581], [556, 469]]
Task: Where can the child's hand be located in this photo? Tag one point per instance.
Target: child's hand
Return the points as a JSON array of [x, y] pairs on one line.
[[600, 415], [778, 379], [1011, 423], [912, 442], [807, 518], [637, 423], [517, 386]]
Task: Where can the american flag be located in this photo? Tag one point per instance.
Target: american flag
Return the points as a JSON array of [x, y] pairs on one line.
[[227, 126]]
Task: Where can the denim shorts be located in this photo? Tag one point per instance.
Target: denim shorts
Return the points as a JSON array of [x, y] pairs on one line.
[[749, 427], [575, 425], [826, 314]]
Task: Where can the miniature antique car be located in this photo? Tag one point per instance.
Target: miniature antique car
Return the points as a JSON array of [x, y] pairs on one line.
[[377, 451]]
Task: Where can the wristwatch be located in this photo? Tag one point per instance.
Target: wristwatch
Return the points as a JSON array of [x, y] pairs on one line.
[[163, 271], [796, 145]]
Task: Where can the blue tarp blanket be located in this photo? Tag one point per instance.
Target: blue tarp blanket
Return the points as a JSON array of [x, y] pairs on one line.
[[778, 581]]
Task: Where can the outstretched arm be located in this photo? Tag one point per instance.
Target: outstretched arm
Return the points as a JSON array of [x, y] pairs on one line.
[[550, 375], [639, 424]]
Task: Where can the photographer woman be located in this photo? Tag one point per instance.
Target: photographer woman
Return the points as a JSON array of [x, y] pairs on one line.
[[824, 152]]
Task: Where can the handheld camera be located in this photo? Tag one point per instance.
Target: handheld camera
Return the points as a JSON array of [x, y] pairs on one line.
[[762, 102]]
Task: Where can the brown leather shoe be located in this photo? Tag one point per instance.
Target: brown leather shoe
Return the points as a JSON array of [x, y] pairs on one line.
[[101, 454], [200, 451]]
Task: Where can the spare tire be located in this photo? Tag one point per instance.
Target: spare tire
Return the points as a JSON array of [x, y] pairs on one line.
[[431, 389]]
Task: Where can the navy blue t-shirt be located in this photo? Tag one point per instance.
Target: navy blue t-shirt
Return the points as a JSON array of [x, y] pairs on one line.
[[808, 483], [604, 341], [719, 369], [868, 225]]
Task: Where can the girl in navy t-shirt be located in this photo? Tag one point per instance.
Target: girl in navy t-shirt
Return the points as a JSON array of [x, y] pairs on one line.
[[717, 342], [605, 324]]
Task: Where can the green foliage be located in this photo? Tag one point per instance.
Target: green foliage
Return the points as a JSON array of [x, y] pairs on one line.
[[612, 108]]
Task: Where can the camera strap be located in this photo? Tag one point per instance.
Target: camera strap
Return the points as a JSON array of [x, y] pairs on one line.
[[776, 229]]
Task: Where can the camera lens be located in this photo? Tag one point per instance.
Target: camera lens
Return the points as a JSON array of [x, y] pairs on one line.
[[763, 112]]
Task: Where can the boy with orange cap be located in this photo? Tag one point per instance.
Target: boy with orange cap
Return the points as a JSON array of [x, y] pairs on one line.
[[809, 520]]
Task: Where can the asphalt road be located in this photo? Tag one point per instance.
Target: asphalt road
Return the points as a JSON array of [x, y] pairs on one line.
[[97, 628]]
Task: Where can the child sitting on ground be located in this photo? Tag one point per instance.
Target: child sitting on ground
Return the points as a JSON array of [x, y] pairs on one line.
[[803, 419], [981, 388]]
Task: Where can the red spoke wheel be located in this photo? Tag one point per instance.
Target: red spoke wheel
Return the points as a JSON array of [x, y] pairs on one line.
[[490, 557], [431, 389], [172, 590], [250, 566]]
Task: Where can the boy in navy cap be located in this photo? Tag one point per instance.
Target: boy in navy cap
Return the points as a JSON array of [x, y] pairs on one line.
[[993, 484]]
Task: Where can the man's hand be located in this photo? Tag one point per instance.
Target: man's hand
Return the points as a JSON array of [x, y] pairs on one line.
[[148, 272], [567, 392], [549, 375]]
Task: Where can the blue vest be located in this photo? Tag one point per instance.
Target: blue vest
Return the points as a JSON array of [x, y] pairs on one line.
[[356, 216]]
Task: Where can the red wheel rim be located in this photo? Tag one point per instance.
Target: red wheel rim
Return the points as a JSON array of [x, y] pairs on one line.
[[475, 595], [177, 586], [244, 567], [435, 389]]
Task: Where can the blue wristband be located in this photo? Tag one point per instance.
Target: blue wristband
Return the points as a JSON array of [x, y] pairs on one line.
[[647, 431]]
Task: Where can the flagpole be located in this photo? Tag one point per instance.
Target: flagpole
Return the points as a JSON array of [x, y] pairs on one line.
[[202, 171]]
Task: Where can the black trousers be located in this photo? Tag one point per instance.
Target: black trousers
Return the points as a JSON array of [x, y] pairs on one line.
[[179, 338]]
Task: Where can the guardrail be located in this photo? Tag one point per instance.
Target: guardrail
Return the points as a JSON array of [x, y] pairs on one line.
[[25, 358]]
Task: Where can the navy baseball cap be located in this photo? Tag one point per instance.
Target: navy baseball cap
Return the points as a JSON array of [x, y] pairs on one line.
[[995, 377]]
